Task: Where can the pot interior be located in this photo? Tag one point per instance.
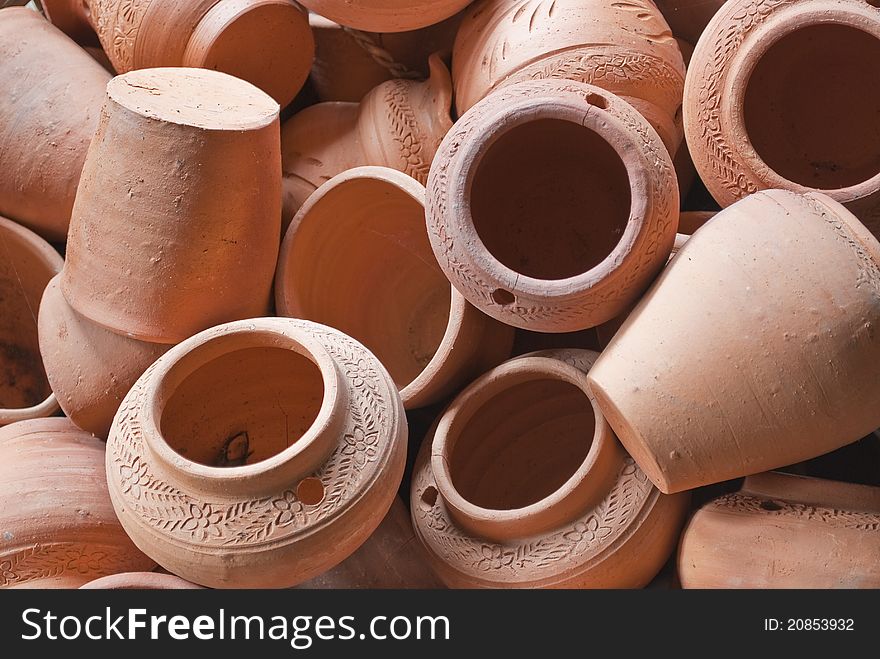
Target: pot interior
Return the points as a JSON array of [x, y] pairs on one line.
[[812, 106], [550, 199], [522, 444]]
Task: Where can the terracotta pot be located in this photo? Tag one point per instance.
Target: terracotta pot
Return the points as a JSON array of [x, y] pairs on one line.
[[552, 205], [767, 80], [497, 506], [266, 42], [89, 368], [688, 18], [27, 263], [164, 245], [399, 124], [783, 531], [357, 257], [754, 349], [386, 15], [390, 558], [624, 47], [349, 63], [140, 581], [689, 222], [257, 454], [52, 94], [59, 530]]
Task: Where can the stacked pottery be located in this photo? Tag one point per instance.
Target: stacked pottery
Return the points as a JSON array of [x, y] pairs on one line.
[[688, 18]]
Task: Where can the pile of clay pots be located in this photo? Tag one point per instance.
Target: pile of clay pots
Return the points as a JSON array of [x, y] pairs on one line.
[[425, 293]]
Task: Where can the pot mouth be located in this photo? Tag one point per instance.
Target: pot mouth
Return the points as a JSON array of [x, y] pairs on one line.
[[272, 422], [517, 160], [800, 100], [568, 479]]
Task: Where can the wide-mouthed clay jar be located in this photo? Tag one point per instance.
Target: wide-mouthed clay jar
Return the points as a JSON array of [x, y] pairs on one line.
[[140, 581], [784, 94], [58, 526], [257, 454], [90, 369], [755, 348], [688, 18], [784, 531], [357, 257], [497, 505], [49, 108], [177, 219], [399, 124], [552, 205], [27, 263], [266, 42], [386, 15], [625, 48]]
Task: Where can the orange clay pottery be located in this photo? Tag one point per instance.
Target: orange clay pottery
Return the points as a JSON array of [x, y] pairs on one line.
[[61, 531], [140, 581], [49, 105], [177, 219], [697, 398], [688, 18], [257, 454], [786, 94], [498, 506], [552, 205], [386, 15], [266, 42], [357, 257], [89, 368], [390, 558], [623, 47], [399, 124], [27, 263], [784, 531]]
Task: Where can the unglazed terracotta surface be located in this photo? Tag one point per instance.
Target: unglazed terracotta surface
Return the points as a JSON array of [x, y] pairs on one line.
[[386, 15], [552, 205], [623, 47], [140, 581], [266, 42], [357, 257], [177, 219], [49, 106], [697, 398], [61, 531], [497, 506], [688, 18], [786, 94], [90, 369], [257, 454], [783, 531], [399, 124], [27, 263]]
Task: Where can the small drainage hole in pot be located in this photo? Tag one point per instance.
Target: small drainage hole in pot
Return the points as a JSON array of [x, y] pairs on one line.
[[772, 506], [428, 498], [502, 297], [310, 491]]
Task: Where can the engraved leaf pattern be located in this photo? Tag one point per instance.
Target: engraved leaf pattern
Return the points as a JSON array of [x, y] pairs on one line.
[[45, 561]]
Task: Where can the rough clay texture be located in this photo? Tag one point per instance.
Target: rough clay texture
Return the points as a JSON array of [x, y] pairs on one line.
[[386, 15]]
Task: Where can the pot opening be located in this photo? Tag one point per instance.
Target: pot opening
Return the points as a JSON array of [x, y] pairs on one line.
[[243, 407], [522, 445], [812, 107], [362, 263], [550, 199]]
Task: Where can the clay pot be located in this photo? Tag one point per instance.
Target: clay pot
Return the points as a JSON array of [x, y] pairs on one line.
[[27, 263], [257, 454], [497, 506], [399, 124], [766, 82], [689, 222], [59, 529], [390, 558], [386, 15], [89, 368], [177, 219], [357, 257], [266, 42], [783, 531], [140, 581], [552, 205], [623, 47], [688, 18], [52, 94], [754, 349]]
